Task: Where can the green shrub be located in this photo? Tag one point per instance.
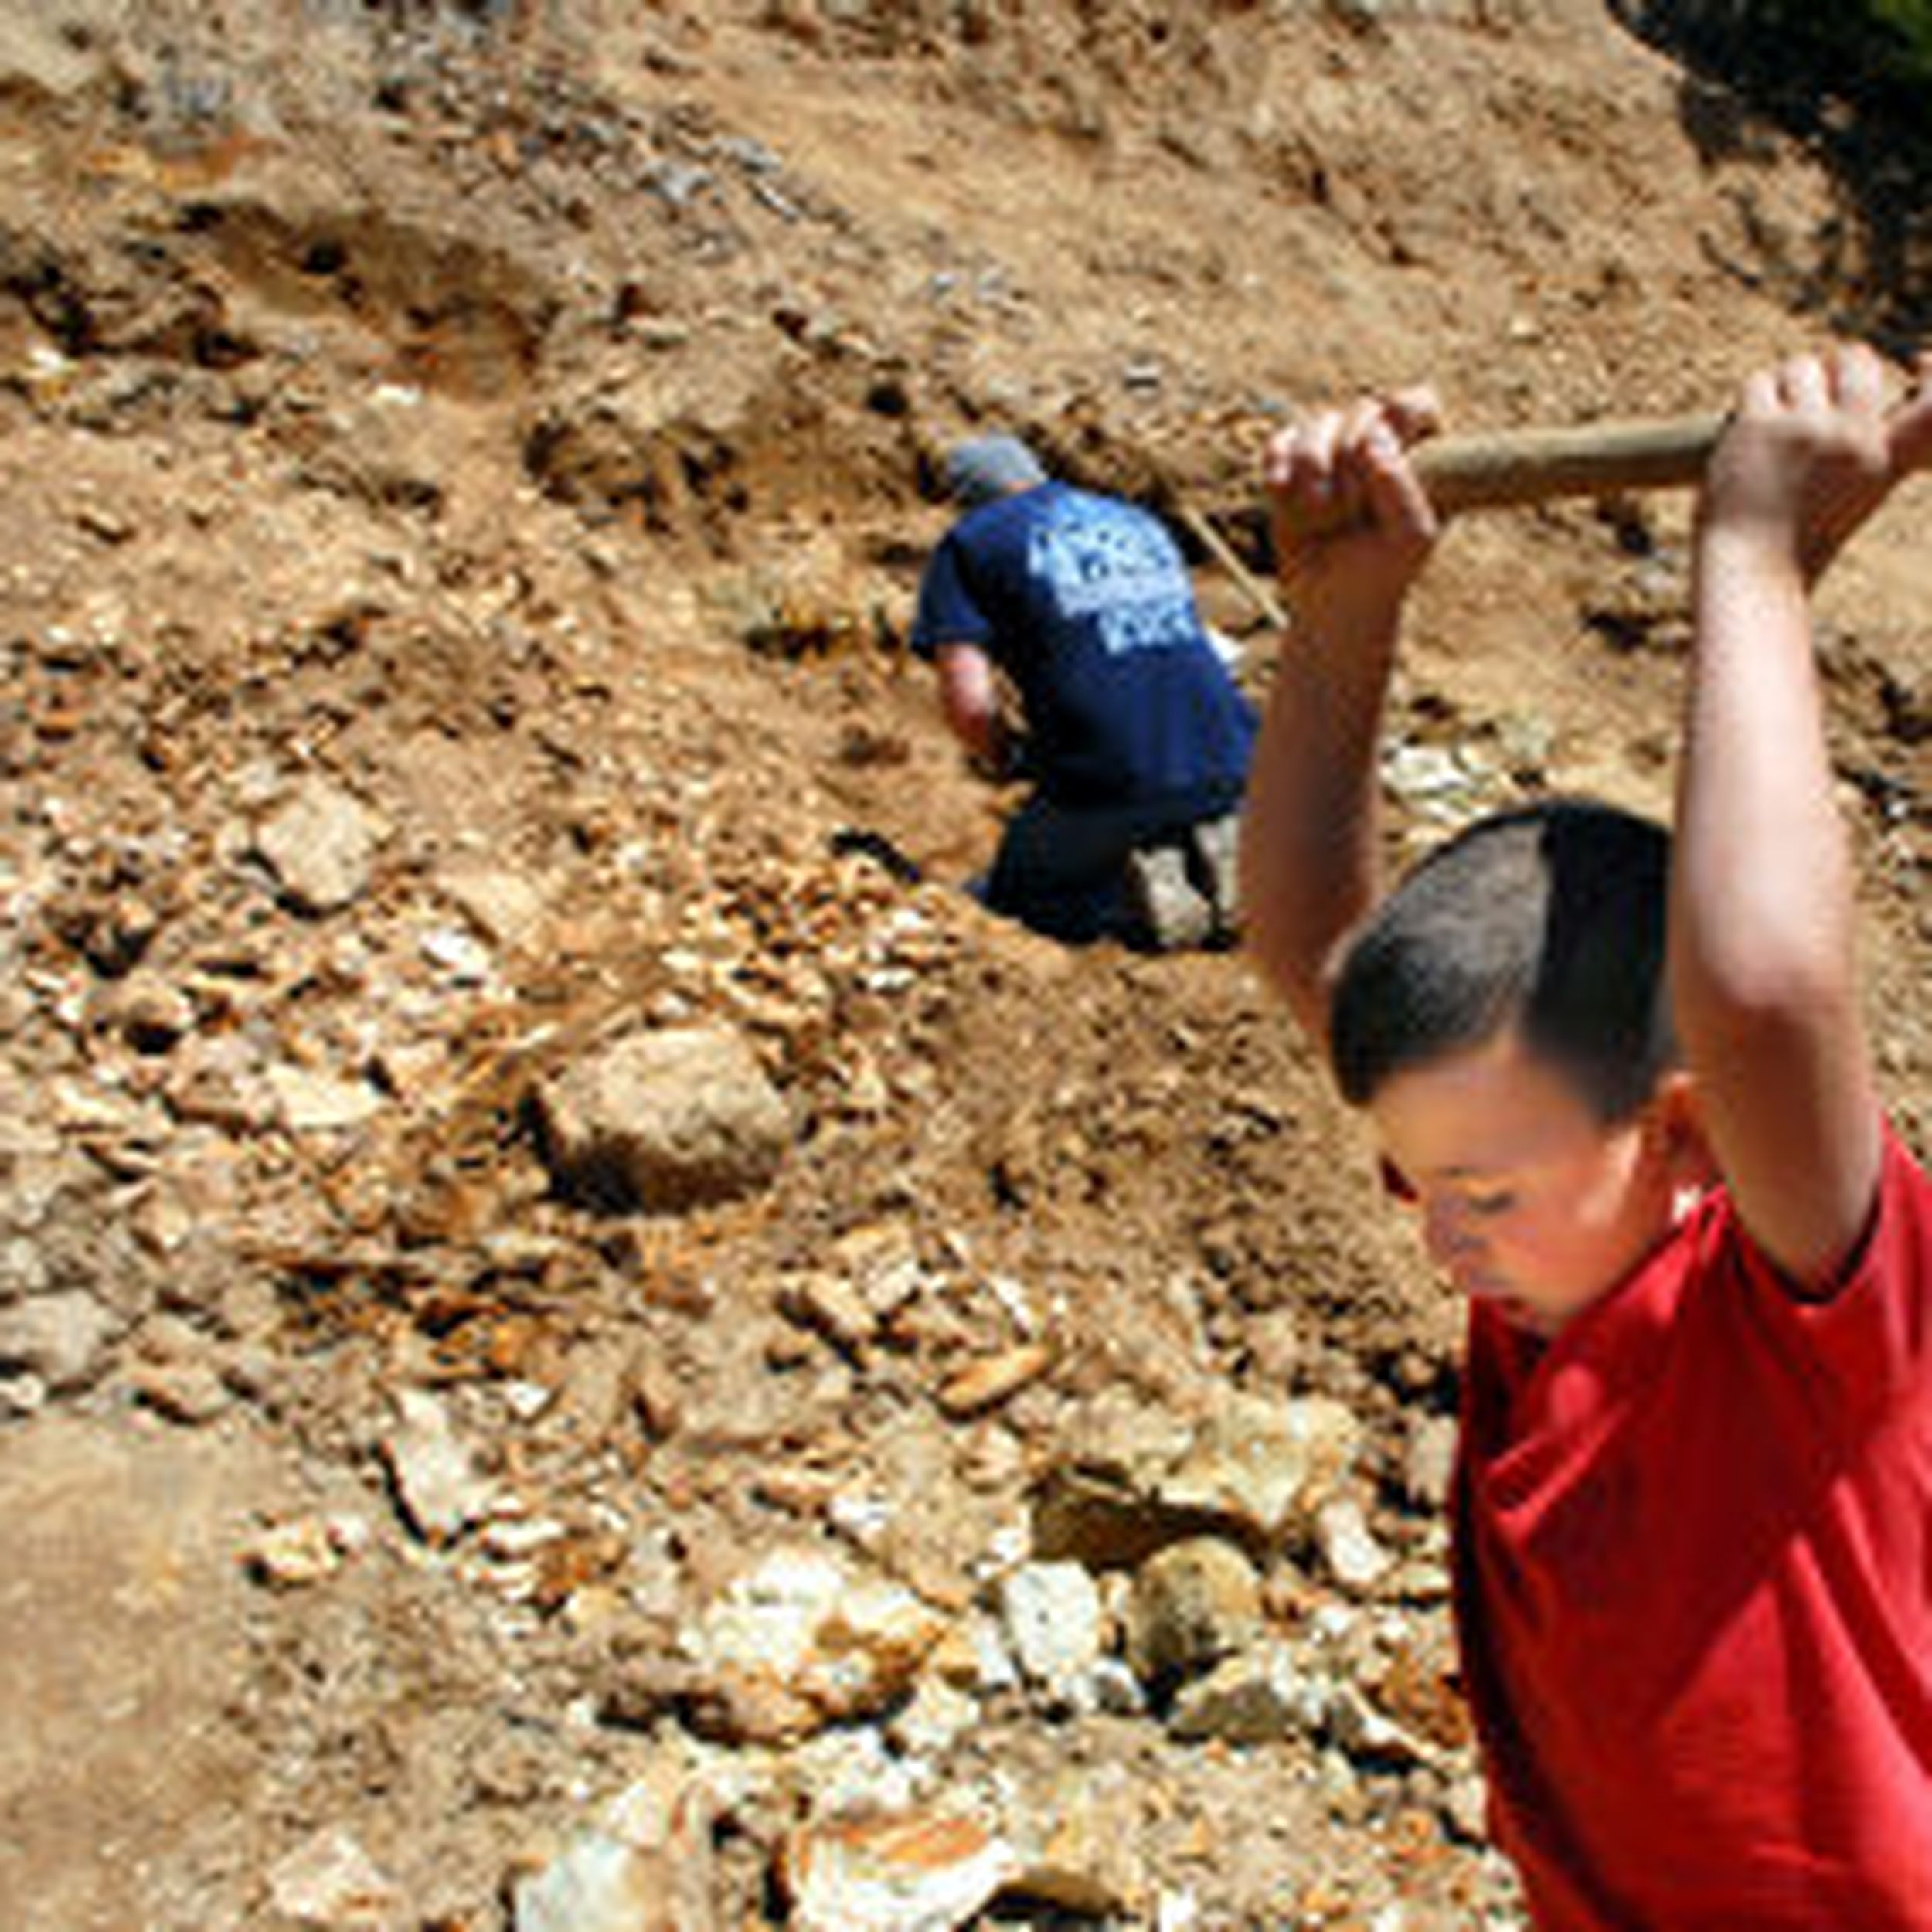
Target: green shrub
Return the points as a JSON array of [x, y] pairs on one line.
[[1908, 25], [1857, 46]]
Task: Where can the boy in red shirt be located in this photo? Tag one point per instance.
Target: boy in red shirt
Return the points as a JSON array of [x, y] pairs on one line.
[[1630, 1096]]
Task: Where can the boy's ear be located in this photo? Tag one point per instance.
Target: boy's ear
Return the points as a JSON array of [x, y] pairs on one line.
[[1676, 1116]]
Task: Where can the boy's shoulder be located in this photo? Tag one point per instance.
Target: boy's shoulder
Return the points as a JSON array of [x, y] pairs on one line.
[[1875, 1319]]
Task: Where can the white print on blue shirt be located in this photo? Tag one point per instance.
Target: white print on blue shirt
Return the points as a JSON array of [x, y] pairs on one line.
[[1118, 568]]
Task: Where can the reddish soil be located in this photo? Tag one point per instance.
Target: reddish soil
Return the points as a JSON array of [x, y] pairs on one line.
[[525, 417]]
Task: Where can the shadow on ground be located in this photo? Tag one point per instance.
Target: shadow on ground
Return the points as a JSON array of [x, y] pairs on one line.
[[1854, 91]]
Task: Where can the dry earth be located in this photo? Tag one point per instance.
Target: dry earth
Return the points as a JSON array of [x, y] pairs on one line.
[[463, 472]]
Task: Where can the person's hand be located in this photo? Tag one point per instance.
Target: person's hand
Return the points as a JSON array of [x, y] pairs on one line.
[[1813, 448], [1909, 428], [1351, 524]]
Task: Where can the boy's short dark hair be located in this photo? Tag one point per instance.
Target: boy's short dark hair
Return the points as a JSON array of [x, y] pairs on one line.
[[1549, 918]]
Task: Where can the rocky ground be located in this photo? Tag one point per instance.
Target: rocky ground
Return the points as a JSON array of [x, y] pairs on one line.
[[584, 1342]]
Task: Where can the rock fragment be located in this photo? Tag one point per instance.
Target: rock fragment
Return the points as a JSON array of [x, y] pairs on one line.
[[57, 1337], [505, 907], [311, 1101], [603, 1883], [598, 1885], [831, 1306], [1127, 1480], [665, 1120], [882, 1263], [1192, 1604], [329, 1882], [986, 1382], [1348, 1547], [320, 843], [439, 1489], [1056, 1624], [188, 1392], [1428, 1463], [1254, 1698], [304, 1551], [921, 1871], [150, 1014], [1081, 1832], [796, 1643], [37, 59], [1365, 1731], [936, 1717]]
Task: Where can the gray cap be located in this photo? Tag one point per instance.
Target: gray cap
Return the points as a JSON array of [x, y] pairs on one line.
[[990, 467]]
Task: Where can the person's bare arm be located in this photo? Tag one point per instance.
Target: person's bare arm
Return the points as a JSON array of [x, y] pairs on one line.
[[1309, 825], [969, 697], [1763, 981]]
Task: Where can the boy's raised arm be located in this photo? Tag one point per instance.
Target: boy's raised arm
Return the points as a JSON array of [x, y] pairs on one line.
[[1308, 863], [1762, 980]]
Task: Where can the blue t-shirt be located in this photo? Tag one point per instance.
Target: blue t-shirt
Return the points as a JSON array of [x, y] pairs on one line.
[[1086, 603]]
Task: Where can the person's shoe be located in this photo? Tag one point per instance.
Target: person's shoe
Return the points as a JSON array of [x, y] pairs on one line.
[[1174, 912], [1215, 844]]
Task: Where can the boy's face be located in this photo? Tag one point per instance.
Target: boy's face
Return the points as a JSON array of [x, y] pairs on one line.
[[1527, 1200]]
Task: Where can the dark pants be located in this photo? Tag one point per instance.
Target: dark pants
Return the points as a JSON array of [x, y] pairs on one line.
[[1061, 869]]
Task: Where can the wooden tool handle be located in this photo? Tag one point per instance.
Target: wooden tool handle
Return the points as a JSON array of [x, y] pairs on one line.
[[1596, 459], [1517, 467]]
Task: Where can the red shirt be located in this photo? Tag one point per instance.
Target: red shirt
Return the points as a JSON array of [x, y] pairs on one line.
[[1694, 1588]]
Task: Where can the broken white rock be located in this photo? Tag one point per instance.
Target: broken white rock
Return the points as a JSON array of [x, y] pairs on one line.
[[1128, 1479], [862, 1518], [647, 1864], [21, 1395], [505, 907], [973, 1656], [437, 1484], [882, 1263], [23, 1263], [306, 1550], [1428, 1463], [831, 1306], [935, 1718], [463, 959], [1116, 1691], [922, 1871], [602, 1884], [664, 1120], [1363, 1731], [850, 1770], [843, 1646], [57, 1337], [1253, 1699], [1266, 1464], [1348, 1547], [312, 1102], [1445, 783], [320, 843], [330, 1882], [598, 1885], [1054, 1620]]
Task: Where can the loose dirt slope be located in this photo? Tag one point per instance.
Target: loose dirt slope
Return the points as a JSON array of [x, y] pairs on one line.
[[505, 433]]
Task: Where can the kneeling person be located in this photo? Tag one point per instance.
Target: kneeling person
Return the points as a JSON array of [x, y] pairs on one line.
[[1135, 734]]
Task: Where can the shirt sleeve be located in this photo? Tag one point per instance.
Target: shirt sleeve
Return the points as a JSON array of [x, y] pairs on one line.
[[1873, 1335], [948, 613]]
